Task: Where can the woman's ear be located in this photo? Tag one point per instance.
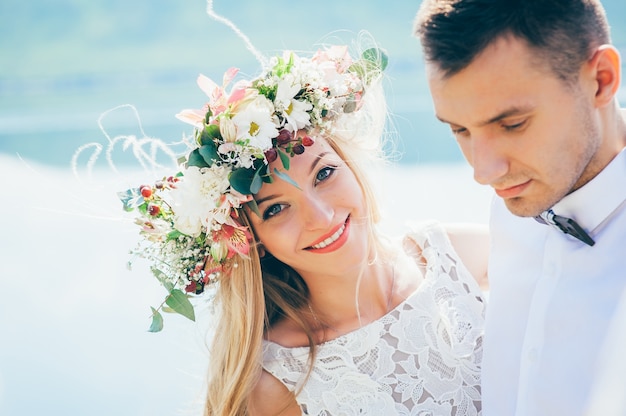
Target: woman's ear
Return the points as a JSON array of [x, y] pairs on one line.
[[605, 66]]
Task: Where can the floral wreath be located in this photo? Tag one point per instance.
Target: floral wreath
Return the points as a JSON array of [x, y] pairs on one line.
[[190, 221]]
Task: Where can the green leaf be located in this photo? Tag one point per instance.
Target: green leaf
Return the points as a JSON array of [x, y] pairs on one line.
[[173, 235], [131, 198], [157, 321], [290, 63], [285, 177], [376, 56], [254, 207], [284, 158], [373, 61], [196, 159], [178, 301], [265, 176], [162, 277], [209, 153], [241, 179], [143, 208], [208, 115], [257, 182], [209, 133]]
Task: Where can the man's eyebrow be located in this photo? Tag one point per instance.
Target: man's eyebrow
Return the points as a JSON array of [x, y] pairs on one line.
[[514, 111]]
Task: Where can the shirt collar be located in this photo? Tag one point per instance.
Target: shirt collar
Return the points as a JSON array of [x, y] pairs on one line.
[[590, 205]]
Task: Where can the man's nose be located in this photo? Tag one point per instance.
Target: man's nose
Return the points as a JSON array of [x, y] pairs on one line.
[[489, 161]]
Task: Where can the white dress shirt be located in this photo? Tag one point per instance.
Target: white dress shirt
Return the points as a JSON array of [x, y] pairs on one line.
[[608, 395], [552, 299]]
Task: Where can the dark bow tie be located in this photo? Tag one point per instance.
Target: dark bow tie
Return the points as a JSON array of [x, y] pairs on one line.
[[567, 225]]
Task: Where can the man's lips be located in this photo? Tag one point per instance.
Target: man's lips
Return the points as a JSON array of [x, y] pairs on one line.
[[333, 240], [512, 191]]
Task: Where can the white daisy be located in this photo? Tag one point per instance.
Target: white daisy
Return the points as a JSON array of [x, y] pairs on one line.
[[255, 122]]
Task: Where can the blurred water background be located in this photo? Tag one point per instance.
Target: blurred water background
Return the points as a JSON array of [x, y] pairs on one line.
[[72, 318], [64, 63]]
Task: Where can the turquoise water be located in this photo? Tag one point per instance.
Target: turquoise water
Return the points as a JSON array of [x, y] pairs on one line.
[[47, 119], [63, 64], [48, 125]]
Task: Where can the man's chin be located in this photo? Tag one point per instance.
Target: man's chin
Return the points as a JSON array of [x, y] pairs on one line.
[[522, 207]]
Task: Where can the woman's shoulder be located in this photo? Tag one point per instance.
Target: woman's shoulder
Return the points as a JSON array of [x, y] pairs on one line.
[[271, 397]]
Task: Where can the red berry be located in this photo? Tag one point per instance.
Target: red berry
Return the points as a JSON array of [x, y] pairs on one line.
[[154, 210], [298, 149], [159, 185], [284, 137], [271, 155], [307, 141], [191, 287], [146, 191]]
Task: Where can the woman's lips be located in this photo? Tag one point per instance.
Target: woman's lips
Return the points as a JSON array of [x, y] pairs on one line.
[[332, 241]]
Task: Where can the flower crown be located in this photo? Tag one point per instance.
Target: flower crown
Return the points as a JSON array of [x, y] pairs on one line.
[[190, 221]]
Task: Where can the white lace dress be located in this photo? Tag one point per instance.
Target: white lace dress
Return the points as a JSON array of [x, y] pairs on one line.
[[422, 358]]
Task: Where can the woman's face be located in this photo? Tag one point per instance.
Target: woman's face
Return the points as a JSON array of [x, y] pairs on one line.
[[320, 226]]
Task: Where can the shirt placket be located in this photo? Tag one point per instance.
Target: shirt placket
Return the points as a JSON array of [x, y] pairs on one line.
[[534, 336]]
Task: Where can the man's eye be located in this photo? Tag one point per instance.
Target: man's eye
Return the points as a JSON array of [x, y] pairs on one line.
[[514, 126], [459, 131]]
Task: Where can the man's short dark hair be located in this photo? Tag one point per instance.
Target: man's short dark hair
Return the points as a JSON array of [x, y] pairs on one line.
[[562, 32]]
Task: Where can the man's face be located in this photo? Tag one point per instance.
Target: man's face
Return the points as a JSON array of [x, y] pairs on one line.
[[525, 132]]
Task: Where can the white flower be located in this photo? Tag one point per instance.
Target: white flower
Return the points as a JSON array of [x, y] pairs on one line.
[[228, 129], [154, 230], [239, 156], [295, 111], [196, 196], [255, 121], [221, 212]]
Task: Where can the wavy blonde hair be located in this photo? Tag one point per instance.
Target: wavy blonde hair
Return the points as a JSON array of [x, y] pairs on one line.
[[263, 291]]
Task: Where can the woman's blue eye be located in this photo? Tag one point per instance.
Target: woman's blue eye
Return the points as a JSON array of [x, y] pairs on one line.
[[272, 211], [324, 173]]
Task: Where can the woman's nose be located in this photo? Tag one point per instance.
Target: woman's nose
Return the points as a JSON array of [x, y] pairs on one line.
[[317, 212]]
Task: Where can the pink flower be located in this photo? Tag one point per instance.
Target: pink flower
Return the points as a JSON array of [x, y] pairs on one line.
[[230, 240], [337, 54], [193, 117], [219, 100]]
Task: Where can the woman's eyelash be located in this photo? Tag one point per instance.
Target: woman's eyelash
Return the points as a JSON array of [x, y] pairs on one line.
[[325, 173], [271, 211]]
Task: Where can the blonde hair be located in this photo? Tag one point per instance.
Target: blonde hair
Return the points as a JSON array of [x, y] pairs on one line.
[[262, 291]]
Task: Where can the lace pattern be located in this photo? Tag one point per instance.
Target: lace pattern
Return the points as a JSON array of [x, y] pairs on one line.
[[422, 358]]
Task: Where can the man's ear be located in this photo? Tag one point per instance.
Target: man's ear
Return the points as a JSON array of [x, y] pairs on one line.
[[605, 71]]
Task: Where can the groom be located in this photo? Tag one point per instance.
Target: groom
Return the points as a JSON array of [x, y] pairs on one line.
[[528, 88]]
